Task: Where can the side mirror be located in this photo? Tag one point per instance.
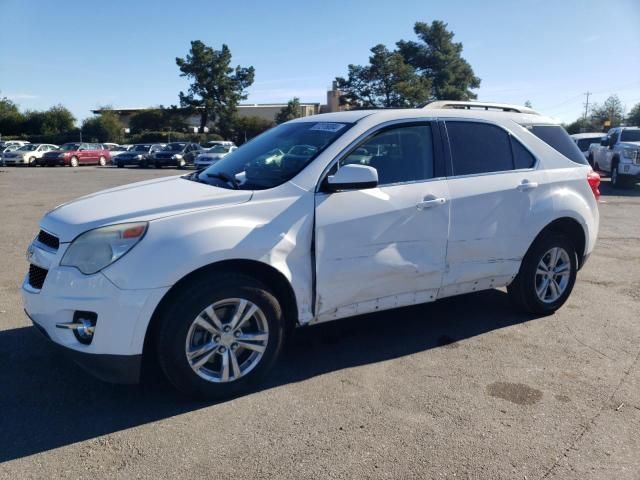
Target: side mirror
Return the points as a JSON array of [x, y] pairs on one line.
[[604, 142], [352, 177]]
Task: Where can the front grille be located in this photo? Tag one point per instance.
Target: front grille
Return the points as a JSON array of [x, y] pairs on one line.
[[49, 240], [37, 276]]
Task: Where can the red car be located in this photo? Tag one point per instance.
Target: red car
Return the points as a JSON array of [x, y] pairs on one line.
[[75, 154]]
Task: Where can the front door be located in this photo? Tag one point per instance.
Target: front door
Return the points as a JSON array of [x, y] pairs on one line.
[[384, 247]]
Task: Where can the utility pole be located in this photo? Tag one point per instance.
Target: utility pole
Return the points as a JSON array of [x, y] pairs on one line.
[[586, 106]]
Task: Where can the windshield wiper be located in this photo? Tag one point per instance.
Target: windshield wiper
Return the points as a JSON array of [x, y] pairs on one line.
[[226, 178]]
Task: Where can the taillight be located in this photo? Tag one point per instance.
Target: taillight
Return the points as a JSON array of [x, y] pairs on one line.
[[594, 182]]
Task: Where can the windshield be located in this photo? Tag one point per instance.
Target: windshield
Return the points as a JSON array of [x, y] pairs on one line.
[[141, 148], [70, 146], [274, 157], [630, 136], [28, 148], [175, 147]]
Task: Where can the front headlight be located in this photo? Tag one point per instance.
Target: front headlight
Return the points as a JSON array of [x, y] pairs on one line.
[[628, 153], [97, 249], [138, 157], [177, 156]]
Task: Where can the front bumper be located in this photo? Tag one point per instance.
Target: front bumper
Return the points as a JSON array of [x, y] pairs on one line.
[[124, 369], [629, 169], [122, 315]]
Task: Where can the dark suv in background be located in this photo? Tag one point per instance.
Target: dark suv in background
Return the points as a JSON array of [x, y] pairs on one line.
[[176, 154], [138, 155]]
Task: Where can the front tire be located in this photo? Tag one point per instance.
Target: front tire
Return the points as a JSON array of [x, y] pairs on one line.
[[547, 275], [102, 161], [217, 337], [32, 162], [74, 162], [617, 181]]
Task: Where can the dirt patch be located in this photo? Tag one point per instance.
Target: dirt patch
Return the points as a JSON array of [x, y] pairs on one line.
[[562, 398], [517, 393]]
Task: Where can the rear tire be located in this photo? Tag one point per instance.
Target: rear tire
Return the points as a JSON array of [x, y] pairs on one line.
[[158, 165], [244, 366], [120, 165], [617, 181], [541, 290]]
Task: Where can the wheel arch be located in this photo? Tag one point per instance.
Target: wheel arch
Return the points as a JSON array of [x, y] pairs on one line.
[[571, 228], [270, 276]]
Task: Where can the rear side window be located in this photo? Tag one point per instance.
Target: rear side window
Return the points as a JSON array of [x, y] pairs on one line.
[[522, 158], [557, 137], [478, 148]]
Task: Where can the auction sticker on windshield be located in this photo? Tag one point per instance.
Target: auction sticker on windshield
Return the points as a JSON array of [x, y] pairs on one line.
[[328, 127]]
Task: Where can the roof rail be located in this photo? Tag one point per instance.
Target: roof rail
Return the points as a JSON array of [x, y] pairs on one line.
[[470, 105]]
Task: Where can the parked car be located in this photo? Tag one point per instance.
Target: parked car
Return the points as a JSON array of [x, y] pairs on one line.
[[139, 155], [8, 143], [212, 155], [618, 155], [585, 140], [6, 149], [28, 154], [74, 154], [215, 143], [176, 154], [208, 272]]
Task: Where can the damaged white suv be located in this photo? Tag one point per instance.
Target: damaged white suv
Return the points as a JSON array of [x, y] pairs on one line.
[[320, 218]]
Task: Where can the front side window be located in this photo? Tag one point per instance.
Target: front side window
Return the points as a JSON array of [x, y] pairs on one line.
[[478, 148], [399, 154], [557, 138], [272, 158]]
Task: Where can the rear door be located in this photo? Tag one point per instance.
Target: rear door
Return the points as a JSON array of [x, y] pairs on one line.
[[384, 247], [494, 187]]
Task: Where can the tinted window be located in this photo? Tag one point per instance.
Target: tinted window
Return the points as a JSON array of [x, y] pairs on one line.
[[630, 136], [478, 148], [522, 158], [583, 143], [401, 154], [557, 137]]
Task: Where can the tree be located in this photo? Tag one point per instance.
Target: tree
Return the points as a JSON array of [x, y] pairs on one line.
[[245, 128], [102, 128], [611, 111], [291, 111], [10, 117], [633, 119], [528, 104], [439, 59], [216, 88], [57, 120], [386, 82], [150, 119]]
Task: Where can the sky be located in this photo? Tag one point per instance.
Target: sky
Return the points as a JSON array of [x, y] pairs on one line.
[[87, 54]]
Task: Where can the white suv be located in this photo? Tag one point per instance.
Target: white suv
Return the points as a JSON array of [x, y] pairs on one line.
[[208, 272]]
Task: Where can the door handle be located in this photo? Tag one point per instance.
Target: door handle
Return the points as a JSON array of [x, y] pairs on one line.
[[526, 186], [430, 202]]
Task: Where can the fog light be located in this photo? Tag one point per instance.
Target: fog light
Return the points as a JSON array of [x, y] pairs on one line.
[[83, 326]]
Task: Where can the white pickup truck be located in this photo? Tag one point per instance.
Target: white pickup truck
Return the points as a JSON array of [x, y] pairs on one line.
[[619, 155]]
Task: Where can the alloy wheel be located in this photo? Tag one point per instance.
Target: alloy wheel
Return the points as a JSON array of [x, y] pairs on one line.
[[552, 275], [227, 340]]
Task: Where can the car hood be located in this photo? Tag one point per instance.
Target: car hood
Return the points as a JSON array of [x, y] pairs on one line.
[[143, 201], [630, 144]]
